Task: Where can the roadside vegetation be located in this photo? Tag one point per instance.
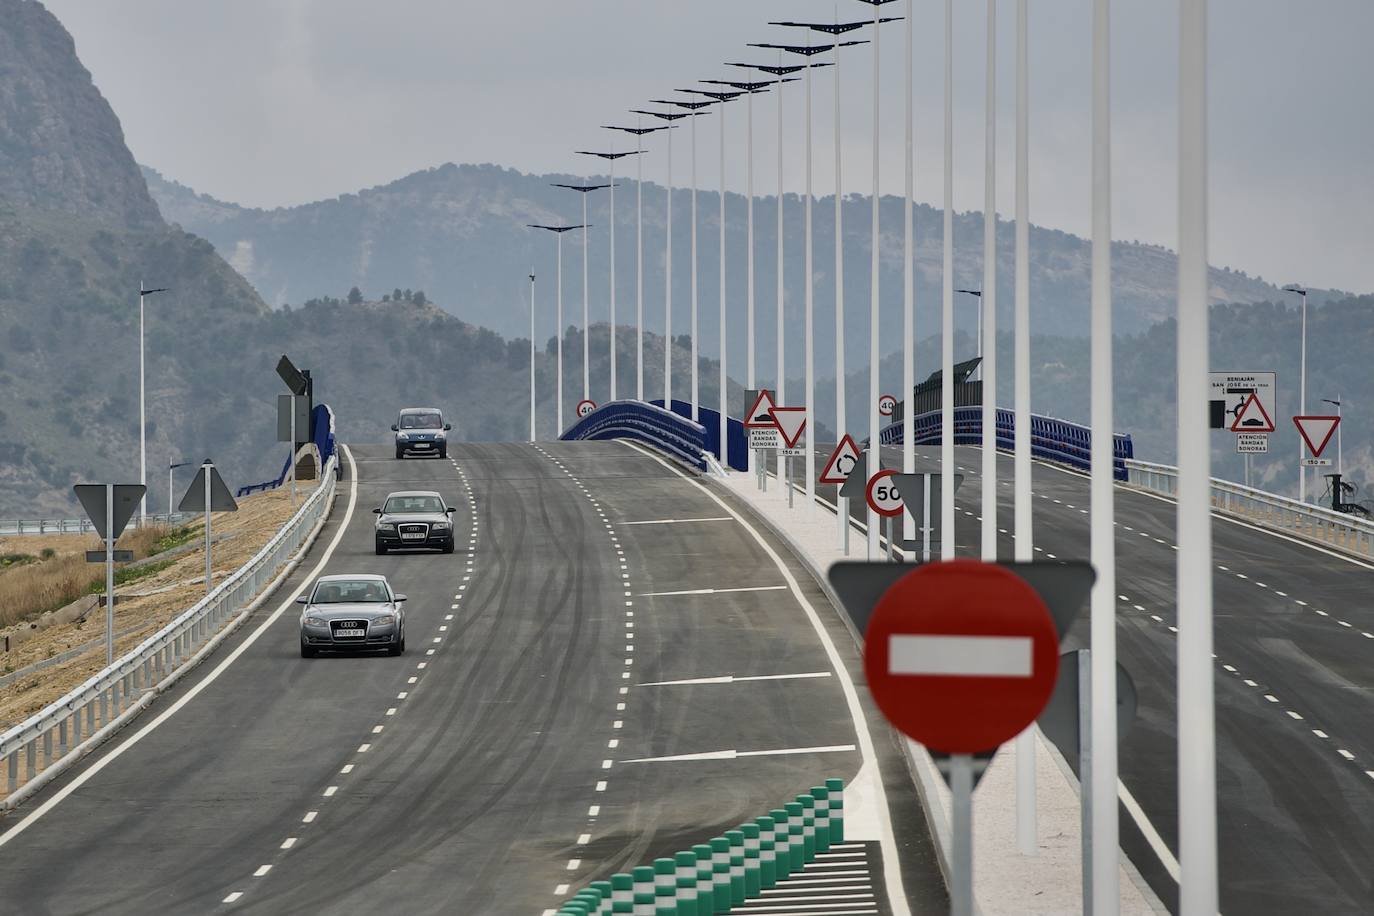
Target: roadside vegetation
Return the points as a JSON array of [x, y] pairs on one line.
[[58, 574]]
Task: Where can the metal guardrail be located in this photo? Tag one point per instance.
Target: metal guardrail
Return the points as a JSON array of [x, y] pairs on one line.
[[648, 423], [19, 526], [1268, 510], [726, 871], [41, 747]]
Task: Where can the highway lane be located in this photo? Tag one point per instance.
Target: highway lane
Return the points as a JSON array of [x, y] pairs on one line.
[[498, 762], [1294, 711]]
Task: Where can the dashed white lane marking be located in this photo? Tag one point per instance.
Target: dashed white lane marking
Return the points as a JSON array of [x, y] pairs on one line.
[[329, 792], [731, 679], [288, 842], [232, 897], [733, 754], [678, 521], [1346, 754], [262, 870], [310, 816], [714, 591]]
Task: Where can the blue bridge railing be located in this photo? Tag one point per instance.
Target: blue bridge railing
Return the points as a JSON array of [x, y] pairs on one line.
[[666, 430], [322, 435], [1051, 439]]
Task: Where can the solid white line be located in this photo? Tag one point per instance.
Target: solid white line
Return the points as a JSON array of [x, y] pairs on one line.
[[1152, 837], [731, 679], [678, 521], [896, 891], [715, 591], [733, 754], [209, 679]]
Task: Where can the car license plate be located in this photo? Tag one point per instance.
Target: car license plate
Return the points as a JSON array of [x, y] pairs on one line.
[[422, 445], [412, 535], [347, 633]]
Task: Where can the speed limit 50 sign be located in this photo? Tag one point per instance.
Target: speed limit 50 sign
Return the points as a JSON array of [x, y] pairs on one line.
[[882, 494]]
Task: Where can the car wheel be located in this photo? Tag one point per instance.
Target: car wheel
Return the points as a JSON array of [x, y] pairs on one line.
[[381, 548], [308, 651], [400, 453], [397, 647], [448, 548], [443, 451]]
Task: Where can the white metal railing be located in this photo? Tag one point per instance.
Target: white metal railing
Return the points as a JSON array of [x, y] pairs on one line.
[[45, 744], [77, 525], [1268, 510]]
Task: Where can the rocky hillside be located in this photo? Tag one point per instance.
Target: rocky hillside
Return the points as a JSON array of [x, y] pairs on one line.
[[459, 233], [61, 147]]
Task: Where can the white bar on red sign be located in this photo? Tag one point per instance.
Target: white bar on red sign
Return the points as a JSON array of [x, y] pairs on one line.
[[960, 656]]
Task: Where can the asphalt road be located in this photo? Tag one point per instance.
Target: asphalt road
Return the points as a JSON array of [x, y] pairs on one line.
[[514, 752], [1294, 639]]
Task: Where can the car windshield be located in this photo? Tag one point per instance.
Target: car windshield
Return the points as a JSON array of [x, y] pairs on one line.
[[421, 421], [414, 504], [350, 591]]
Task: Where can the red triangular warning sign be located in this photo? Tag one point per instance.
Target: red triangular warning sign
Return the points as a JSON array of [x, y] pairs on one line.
[[843, 460], [1316, 432], [791, 421], [1252, 417], [760, 416]]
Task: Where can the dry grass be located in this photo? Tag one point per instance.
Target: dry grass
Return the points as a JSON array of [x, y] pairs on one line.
[[30, 589], [137, 615]]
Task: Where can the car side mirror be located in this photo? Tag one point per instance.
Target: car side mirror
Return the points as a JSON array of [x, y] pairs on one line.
[[448, 426], [451, 509], [303, 599], [398, 598], [393, 427], [377, 511]]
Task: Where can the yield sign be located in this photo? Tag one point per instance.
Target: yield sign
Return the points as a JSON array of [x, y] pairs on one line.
[[842, 461], [1252, 417], [1316, 432], [760, 415], [791, 421], [961, 656]]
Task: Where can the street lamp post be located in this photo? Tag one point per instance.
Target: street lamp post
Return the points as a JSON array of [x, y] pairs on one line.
[[809, 51], [668, 260], [1302, 388], [639, 131], [611, 157], [722, 98], [780, 382], [585, 189], [171, 483], [532, 433], [693, 107], [841, 407], [978, 294], [142, 416], [558, 231]]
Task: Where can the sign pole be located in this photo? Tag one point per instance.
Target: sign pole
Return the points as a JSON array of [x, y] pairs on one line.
[[1085, 771], [293, 451], [925, 522], [109, 574], [209, 578], [961, 828]]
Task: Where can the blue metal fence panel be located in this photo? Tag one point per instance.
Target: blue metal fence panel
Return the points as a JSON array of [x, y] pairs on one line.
[[322, 428], [1051, 439], [668, 431], [710, 419]]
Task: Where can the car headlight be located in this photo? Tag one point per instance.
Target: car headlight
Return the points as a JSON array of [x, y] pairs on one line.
[[403, 436], [441, 526], [312, 621], [383, 620], [386, 526]]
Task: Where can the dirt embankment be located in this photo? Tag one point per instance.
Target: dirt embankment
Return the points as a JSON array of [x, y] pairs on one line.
[[163, 588]]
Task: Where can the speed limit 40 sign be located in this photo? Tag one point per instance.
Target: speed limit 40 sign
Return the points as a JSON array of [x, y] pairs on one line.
[[882, 494]]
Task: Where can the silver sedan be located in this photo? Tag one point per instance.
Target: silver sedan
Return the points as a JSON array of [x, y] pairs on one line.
[[350, 612]]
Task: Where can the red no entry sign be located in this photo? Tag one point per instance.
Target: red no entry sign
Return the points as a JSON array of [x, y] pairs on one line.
[[961, 656]]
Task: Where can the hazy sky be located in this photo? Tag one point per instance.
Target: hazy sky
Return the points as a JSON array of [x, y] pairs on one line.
[[276, 102]]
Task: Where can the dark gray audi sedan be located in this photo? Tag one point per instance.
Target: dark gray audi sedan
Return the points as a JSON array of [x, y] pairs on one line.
[[414, 518], [352, 612]]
